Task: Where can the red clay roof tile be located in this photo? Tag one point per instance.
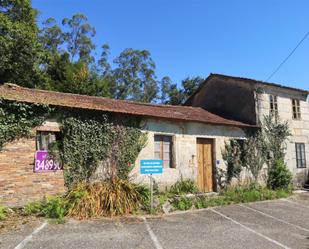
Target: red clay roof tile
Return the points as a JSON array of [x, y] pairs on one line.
[[181, 113]]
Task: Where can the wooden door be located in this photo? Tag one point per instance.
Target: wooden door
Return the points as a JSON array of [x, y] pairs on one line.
[[205, 164]]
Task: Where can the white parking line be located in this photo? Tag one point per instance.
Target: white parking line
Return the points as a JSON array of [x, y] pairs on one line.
[[250, 230], [29, 237], [152, 235], [270, 216], [295, 203]]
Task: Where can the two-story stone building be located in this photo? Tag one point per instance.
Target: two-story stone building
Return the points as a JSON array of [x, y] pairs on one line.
[[249, 101]]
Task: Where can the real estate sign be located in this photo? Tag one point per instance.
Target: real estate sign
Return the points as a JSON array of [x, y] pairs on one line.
[[45, 162]]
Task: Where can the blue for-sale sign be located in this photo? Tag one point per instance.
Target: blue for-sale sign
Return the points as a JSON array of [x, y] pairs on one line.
[[151, 167]]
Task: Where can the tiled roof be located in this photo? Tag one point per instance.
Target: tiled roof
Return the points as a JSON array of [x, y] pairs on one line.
[[181, 113]]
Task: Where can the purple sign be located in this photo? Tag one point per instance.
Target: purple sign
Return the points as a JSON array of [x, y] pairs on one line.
[[45, 162]]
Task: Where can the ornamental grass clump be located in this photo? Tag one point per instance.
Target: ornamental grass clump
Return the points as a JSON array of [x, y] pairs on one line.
[[108, 198]]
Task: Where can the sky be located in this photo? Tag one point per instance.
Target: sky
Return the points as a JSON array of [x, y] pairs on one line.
[[245, 38]]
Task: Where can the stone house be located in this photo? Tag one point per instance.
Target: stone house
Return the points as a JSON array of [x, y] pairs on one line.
[[189, 139], [247, 100]]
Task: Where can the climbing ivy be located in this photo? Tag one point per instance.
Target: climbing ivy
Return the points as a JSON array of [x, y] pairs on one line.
[[17, 119], [89, 140]]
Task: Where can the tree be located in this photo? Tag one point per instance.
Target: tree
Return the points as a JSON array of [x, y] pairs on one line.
[[177, 96], [103, 63], [51, 36], [134, 77], [21, 53], [190, 85], [78, 37]]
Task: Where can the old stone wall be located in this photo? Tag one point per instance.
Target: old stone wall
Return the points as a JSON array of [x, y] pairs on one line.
[[185, 148], [298, 128], [18, 182]]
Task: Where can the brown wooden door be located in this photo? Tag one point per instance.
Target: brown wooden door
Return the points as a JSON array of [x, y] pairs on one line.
[[205, 164]]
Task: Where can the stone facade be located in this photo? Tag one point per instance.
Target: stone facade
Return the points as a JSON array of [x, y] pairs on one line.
[[18, 182], [298, 128], [184, 148]]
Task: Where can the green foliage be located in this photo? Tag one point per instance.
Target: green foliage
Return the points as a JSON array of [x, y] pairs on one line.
[[52, 207], [33, 208], [17, 119], [244, 194], [78, 38], [83, 145], [232, 155], [275, 133], [261, 146], [182, 203], [134, 76], [20, 50], [109, 198], [279, 176], [171, 94], [90, 140], [184, 186], [3, 212], [254, 156]]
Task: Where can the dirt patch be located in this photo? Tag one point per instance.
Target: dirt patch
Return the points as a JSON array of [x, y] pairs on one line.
[[16, 220]]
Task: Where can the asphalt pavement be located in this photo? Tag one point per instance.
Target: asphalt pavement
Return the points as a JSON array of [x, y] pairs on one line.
[[271, 224]]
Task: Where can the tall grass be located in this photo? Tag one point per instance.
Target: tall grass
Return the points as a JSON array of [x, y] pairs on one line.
[[108, 198]]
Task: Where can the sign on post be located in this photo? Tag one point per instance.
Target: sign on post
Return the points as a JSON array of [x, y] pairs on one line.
[[149, 167]]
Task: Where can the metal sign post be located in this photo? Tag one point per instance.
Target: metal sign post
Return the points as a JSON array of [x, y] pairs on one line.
[[150, 167], [151, 193]]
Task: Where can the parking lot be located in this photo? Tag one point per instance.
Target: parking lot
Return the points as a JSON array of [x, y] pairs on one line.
[[270, 224]]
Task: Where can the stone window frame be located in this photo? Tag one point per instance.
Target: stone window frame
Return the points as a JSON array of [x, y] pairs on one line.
[[296, 109], [300, 150], [273, 104], [161, 139]]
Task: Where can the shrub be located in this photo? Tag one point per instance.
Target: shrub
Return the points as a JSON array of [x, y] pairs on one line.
[[55, 208], [52, 207], [3, 212], [184, 187], [108, 198], [182, 203], [279, 176], [33, 208]]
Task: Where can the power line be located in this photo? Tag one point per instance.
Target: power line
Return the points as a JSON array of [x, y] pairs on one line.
[[290, 54]]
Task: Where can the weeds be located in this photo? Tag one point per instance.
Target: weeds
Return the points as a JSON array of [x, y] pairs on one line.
[[55, 208], [236, 195], [184, 186], [3, 212]]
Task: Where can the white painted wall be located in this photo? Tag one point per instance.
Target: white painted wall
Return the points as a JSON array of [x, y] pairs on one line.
[[184, 135], [298, 128]]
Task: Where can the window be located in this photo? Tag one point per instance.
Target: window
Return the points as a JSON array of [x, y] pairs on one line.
[[300, 155], [163, 150], [273, 104], [44, 139], [296, 109]]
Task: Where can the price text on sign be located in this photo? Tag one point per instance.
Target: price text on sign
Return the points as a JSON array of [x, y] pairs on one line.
[[45, 162], [151, 167]]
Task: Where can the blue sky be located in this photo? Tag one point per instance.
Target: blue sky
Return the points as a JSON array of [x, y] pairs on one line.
[[197, 37]]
